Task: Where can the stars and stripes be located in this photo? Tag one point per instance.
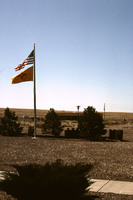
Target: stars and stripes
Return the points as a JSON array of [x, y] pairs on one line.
[[29, 60]]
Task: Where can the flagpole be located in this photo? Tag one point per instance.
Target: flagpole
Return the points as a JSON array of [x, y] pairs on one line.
[[34, 75]]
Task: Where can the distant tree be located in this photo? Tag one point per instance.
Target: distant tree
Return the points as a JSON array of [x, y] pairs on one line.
[[52, 124], [91, 124], [9, 125]]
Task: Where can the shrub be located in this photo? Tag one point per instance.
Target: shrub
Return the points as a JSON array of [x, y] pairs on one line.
[[51, 181], [72, 133], [52, 124], [91, 124], [9, 125]]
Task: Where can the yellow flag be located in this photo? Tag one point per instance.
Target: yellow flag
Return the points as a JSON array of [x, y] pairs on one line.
[[26, 75]]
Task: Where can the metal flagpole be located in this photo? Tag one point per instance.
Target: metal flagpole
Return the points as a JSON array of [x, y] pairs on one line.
[[34, 95]]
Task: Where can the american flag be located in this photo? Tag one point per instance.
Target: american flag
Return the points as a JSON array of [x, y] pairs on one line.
[[29, 60]]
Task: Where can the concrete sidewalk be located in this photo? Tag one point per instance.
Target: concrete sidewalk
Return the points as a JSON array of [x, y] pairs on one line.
[[105, 186], [109, 186], [1, 175]]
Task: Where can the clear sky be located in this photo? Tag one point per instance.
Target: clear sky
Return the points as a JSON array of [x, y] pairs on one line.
[[84, 53]]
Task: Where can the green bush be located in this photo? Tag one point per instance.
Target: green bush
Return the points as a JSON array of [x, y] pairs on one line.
[[52, 124], [51, 181], [9, 125], [91, 124]]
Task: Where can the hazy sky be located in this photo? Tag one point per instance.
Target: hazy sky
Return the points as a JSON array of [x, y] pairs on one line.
[[84, 53]]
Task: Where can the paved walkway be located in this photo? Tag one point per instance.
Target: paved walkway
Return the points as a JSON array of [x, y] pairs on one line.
[[1, 175], [106, 186], [109, 186]]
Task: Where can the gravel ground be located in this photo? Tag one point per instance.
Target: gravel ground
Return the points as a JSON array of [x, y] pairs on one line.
[[111, 160]]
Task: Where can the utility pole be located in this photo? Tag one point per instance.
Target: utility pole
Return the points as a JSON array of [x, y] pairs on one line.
[[104, 111], [78, 111]]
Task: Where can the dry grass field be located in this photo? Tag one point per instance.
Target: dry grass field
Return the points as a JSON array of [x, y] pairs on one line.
[[109, 116], [110, 159], [112, 119]]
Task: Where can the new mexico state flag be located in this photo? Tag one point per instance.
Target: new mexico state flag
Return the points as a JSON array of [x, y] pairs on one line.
[[26, 75]]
